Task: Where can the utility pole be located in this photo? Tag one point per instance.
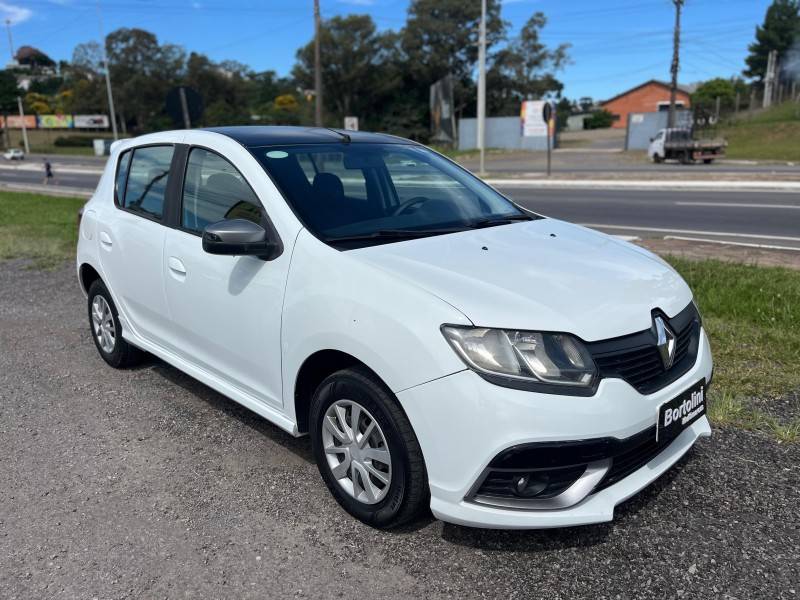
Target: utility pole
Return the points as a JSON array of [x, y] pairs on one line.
[[10, 40], [482, 88], [22, 124], [112, 114], [676, 51], [769, 80], [317, 70]]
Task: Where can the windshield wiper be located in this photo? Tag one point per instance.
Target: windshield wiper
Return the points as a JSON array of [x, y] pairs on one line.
[[491, 222], [393, 234]]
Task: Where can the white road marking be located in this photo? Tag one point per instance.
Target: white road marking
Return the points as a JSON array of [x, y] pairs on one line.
[[710, 241], [782, 238], [664, 185], [739, 205]]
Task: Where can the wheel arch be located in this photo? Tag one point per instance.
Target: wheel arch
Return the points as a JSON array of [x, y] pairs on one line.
[[313, 372], [87, 275]]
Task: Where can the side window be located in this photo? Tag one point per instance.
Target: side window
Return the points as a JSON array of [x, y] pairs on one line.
[[214, 190], [122, 176], [147, 180]]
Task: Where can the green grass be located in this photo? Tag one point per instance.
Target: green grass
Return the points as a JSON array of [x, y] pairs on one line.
[[769, 135], [752, 316], [751, 313], [42, 229]]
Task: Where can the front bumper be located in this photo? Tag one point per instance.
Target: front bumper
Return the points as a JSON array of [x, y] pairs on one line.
[[463, 422]]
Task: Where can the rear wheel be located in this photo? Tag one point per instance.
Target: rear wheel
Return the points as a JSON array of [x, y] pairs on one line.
[[366, 450], [106, 329], [708, 161]]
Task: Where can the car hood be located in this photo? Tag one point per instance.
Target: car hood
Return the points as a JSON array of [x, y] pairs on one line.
[[542, 275]]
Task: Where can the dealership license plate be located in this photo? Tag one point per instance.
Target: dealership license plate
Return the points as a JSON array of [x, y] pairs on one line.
[[677, 414]]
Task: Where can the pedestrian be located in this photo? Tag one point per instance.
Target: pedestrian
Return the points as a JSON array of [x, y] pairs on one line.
[[48, 172]]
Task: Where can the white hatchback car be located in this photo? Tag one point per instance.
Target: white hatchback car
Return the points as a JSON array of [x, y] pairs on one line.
[[439, 343]]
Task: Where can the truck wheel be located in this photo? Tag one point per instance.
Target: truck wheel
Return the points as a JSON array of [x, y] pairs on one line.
[[657, 158], [708, 161]]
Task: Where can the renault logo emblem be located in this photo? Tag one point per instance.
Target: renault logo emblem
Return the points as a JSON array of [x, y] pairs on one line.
[[665, 341]]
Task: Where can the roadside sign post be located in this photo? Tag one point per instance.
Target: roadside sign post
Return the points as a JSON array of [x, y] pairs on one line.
[[351, 123], [547, 117]]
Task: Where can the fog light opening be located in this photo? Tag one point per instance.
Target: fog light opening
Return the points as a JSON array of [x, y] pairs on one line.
[[531, 485]]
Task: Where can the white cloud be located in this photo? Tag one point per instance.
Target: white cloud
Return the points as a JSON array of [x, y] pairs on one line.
[[15, 14]]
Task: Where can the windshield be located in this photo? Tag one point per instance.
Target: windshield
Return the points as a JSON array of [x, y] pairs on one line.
[[381, 192]]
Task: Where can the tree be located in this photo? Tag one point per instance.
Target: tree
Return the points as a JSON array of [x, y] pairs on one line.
[[9, 90], [524, 70], [706, 94], [34, 58], [8, 98], [224, 88], [354, 55], [142, 72], [780, 30]]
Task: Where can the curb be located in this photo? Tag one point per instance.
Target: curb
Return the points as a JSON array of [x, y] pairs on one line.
[[48, 190], [644, 184]]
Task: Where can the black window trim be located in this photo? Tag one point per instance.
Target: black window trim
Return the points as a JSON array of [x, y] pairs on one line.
[[177, 200], [165, 211]]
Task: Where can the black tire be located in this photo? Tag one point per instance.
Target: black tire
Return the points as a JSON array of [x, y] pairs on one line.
[[657, 158], [708, 161], [122, 354], [408, 491]]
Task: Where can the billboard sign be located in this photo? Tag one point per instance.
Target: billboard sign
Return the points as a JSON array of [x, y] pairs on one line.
[[443, 118], [532, 119], [90, 122], [55, 121], [15, 122]]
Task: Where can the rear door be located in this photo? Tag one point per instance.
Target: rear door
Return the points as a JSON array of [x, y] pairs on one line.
[[131, 240], [226, 310]]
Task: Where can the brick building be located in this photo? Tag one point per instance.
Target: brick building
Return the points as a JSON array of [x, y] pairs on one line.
[[650, 96]]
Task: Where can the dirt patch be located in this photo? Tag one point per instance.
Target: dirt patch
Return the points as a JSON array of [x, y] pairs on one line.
[[762, 257]]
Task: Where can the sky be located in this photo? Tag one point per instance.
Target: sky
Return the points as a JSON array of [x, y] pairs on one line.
[[616, 44]]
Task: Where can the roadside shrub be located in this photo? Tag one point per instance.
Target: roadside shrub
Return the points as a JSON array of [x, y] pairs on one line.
[[602, 119], [65, 141]]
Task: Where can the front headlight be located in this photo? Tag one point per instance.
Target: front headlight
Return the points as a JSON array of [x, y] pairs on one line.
[[556, 359]]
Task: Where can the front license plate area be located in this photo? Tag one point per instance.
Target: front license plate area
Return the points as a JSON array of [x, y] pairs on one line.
[[677, 414]]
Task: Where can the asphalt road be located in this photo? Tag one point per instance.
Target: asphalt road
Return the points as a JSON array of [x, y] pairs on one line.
[[146, 484], [766, 218]]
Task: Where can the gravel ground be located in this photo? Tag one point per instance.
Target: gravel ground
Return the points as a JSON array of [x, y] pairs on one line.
[[146, 484]]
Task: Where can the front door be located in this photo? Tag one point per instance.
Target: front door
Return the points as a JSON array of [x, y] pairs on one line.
[[226, 310]]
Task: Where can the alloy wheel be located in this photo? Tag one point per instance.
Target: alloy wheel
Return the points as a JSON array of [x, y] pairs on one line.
[[103, 324]]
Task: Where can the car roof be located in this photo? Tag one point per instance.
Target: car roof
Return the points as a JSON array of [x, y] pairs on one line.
[[252, 136]]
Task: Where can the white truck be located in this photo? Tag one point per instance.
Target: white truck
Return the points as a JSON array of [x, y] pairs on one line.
[[678, 144]]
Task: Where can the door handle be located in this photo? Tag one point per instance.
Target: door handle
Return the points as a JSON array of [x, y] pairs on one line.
[[176, 266], [105, 240]]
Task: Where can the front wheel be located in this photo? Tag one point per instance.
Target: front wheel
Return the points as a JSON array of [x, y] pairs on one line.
[[657, 158], [366, 450]]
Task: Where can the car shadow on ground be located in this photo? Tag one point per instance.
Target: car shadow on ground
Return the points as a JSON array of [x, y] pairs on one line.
[[528, 541], [300, 447]]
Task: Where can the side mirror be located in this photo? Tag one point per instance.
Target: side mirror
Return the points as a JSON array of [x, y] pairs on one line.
[[652, 139], [240, 237]]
